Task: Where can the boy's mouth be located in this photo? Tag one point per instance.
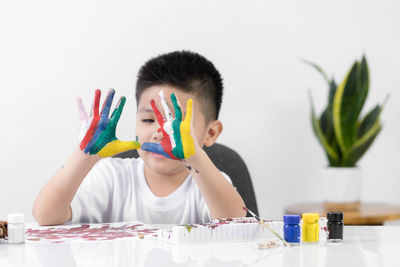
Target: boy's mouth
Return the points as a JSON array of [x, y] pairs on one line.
[[155, 155]]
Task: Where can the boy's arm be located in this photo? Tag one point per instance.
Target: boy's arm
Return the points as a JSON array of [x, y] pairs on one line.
[[52, 205], [221, 197], [97, 140]]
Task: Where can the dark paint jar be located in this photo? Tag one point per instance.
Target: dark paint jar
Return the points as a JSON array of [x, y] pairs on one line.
[[335, 226]]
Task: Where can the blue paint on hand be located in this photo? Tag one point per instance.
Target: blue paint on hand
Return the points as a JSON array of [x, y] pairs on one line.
[[155, 148]]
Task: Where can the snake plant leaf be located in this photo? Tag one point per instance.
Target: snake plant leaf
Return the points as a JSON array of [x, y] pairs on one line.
[[363, 85], [318, 68], [326, 125], [326, 121], [331, 153], [369, 128], [369, 121], [361, 147], [344, 115], [332, 91], [331, 83]]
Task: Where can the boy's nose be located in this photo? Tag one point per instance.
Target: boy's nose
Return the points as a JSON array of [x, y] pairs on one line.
[[157, 136]]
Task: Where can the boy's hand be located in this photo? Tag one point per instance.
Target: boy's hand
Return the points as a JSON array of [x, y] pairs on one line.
[[177, 142], [97, 135]]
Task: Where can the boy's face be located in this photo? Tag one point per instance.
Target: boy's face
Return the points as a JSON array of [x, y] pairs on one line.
[[147, 126]]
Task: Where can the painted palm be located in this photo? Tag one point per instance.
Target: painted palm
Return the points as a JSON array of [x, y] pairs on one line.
[[97, 135], [177, 142], [343, 133]]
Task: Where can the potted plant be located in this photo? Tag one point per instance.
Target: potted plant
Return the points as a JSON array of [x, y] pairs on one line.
[[345, 135]]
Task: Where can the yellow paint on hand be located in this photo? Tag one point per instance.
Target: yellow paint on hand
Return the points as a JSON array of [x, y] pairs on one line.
[[186, 125], [117, 146]]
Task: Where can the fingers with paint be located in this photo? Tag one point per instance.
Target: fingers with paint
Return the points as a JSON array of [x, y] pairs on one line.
[[97, 134], [177, 141], [165, 144], [176, 126], [88, 125]]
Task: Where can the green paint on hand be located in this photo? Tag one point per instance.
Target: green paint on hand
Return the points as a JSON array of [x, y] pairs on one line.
[[176, 126], [108, 135]]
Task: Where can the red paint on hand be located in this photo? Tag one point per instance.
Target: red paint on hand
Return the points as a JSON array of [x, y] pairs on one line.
[[95, 120], [165, 141]]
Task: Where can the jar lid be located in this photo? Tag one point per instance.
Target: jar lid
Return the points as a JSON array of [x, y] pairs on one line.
[[291, 219], [310, 217], [334, 216], [16, 218]]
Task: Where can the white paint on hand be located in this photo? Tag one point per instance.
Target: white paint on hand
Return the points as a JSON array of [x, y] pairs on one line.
[[169, 119]]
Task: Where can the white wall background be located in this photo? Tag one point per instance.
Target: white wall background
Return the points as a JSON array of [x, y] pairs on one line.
[[53, 51]]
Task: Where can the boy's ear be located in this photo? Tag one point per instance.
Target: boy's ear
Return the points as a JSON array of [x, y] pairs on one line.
[[214, 130]]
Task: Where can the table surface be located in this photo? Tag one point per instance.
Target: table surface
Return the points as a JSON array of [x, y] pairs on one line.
[[363, 246], [367, 214]]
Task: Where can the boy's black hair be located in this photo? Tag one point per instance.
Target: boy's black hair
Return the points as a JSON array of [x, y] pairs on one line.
[[190, 72]]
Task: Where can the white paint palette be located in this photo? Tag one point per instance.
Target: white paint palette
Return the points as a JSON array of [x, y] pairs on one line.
[[235, 229]]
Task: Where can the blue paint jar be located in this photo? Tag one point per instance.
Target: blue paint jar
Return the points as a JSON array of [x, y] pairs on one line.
[[291, 228]]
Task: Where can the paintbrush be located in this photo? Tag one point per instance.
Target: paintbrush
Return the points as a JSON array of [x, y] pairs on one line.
[[261, 221]]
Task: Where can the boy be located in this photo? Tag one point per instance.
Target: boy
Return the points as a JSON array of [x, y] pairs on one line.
[[163, 185]]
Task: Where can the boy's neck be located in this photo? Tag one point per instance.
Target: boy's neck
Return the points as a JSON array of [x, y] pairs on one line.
[[163, 185]]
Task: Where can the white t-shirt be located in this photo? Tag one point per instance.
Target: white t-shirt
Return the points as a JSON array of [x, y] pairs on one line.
[[116, 190]]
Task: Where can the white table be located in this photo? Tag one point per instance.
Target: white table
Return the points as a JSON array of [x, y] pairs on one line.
[[363, 246]]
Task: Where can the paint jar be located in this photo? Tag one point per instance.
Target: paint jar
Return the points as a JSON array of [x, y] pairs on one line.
[[310, 228], [335, 226], [291, 228], [16, 228]]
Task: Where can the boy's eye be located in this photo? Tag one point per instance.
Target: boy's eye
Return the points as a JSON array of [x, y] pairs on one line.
[[148, 120]]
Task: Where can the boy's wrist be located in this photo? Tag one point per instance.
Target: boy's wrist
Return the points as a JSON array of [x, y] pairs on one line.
[[80, 155], [196, 158]]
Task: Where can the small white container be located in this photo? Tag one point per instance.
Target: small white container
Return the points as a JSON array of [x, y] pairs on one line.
[[16, 228]]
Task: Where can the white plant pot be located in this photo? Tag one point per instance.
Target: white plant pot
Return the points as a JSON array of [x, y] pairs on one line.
[[342, 187]]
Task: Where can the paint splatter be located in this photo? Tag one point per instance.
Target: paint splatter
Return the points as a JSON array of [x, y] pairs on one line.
[[188, 167], [189, 227], [85, 232], [268, 244]]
